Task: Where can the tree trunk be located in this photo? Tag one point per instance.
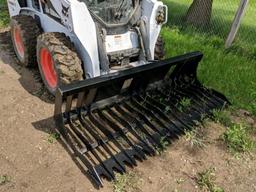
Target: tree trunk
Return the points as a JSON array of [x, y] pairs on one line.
[[199, 13]]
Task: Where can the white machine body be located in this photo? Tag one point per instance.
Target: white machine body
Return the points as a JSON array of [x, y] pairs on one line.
[[74, 18]]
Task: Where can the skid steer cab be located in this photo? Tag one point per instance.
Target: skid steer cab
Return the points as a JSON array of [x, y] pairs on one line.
[[72, 40], [116, 99]]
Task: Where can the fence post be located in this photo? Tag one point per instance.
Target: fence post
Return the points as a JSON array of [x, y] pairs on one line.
[[236, 23]]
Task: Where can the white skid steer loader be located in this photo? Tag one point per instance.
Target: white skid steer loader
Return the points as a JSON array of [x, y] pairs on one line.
[[116, 100], [74, 40]]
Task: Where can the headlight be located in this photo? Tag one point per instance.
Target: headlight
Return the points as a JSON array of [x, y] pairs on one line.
[[162, 15]]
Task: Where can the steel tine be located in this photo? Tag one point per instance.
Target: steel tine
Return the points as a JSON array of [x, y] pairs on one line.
[[80, 99], [95, 175], [154, 140], [123, 135], [190, 118], [144, 118], [103, 142], [205, 91], [69, 103], [208, 105], [131, 129], [177, 97], [84, 147], [83, 136], [91, 149], [178, 94], [117, 128], [189, 115], [157, 118], [96, 121], [159, 108], [193, 94], [90, 97], [130, 161]]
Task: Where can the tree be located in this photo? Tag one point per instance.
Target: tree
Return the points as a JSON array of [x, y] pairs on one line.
[[199, 13]]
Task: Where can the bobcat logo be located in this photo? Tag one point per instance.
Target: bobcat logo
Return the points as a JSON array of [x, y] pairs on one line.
[[65, 10]]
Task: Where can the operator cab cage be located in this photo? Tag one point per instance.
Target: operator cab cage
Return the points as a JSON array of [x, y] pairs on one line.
[[112, 11], [105, 11]]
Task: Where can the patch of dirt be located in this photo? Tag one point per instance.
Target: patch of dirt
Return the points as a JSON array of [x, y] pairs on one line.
[[178, 168], [33, 164], [243, 116]]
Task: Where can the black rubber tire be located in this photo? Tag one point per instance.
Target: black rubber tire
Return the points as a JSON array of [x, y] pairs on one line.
[[159, 49], [67, 64], [29, 31]]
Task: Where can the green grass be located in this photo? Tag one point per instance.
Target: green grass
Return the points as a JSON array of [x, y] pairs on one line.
[[126, 182], [222, 117], [184, 104], [222, 18], [180, 181], [253, 95], [4, 15], [227, 72], [195, 137], [163, 144], [4, 179], [206, 180], [231, 71], [237, 136], [238, 140], [53, 137]]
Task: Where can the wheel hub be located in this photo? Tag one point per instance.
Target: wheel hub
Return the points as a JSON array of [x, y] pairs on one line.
[[19, 43], [47, 64]]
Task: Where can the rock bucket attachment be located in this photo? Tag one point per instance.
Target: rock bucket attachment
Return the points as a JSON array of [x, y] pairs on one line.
[[115, 120]]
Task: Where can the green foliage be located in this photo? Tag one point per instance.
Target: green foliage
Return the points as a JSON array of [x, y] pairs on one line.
[[238, 139], [206, 180], [219, 27], [167, 108], [4, 179], [126, 182], [4, 15], [204, 120], [253, 95], [230, 73], [53, 137], [195, 138], [184, 104], [163, 144], [253, 108], [222, 117], [180, 181]]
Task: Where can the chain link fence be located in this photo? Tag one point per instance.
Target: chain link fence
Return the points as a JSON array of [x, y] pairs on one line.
[[222, 16]]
